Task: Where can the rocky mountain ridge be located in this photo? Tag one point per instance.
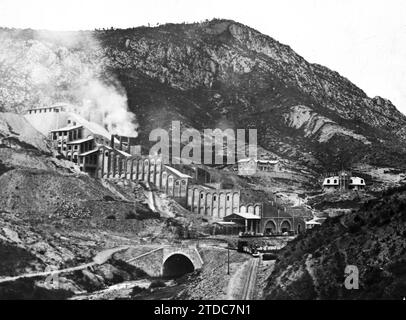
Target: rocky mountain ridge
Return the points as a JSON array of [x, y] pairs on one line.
[[218, 73]]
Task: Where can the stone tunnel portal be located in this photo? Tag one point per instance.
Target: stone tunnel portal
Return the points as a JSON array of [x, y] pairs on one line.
[[177, 265]]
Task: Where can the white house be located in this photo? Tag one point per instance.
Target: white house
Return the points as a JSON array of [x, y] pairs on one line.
[[343, 181]]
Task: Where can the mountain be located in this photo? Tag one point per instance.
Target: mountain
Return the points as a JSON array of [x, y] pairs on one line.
[[371, 239], [218, 73]]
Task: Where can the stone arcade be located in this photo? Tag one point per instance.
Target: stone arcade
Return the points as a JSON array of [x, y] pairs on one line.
[[102, 155]]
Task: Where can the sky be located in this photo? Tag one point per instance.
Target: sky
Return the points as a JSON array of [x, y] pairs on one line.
[[364, 40]]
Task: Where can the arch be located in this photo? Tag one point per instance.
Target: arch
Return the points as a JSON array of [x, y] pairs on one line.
[[215, 207], [257, 210], [183, 187], [176, 192], [209, 198], [112, 164], [243, 209], [202, 202], [118, 166], [170, 185], [129, 168], [140, 169], [190, 198], [146, 170], [270, 227], [229, 203], [236, 201], [250, 208], [158, 165], [177, 264], [222, 205], [135, 170], [285, 226], [164, 181], [196, 195], [158, 176], [152, 171]]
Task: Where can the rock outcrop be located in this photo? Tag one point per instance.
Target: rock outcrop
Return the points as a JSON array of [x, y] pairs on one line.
[[218, 73]]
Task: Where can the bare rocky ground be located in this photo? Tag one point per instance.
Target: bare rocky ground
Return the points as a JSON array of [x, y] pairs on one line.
[[54, 217], [372, 238]]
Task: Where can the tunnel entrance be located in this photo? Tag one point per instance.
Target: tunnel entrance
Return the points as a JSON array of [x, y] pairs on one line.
[[177, 265]]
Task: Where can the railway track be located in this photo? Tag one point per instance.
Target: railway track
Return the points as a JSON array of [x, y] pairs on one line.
[[249, 285]]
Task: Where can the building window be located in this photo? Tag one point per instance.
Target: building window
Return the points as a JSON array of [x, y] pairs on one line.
[[335, 181], [214, 198], [68, 121], [201, 196], [362, 180], [228, 198], [328, 180]]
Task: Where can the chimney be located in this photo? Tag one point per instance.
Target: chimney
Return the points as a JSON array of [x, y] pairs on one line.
[[112, 141]]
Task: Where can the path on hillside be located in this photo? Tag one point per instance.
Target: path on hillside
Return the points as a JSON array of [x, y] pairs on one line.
[[98, 259]]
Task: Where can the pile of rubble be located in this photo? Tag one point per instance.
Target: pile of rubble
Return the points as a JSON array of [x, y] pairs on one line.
[[72, 210]]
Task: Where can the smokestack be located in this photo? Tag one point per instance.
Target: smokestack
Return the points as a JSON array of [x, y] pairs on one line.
[[112, 141], [128, 145]]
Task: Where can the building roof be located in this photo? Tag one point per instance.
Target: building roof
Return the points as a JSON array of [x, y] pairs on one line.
[[88, 152], [244, 215], [353, 181], [315, 221], [68, 128], [262, 161], [123, 153], [177, 172], [80, 140], [226, 223], [95, 128]]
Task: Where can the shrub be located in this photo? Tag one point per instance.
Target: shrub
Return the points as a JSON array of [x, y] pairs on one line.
[[131, 215], [108, 198], [157, 284]]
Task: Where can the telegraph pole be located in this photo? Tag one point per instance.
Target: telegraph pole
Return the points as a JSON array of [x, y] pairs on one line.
[[228, 259]]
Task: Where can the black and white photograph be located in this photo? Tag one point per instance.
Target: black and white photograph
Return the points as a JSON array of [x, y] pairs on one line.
[[225, 151]]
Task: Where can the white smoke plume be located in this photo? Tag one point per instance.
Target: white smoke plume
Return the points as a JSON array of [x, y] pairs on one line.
[[72, 67]]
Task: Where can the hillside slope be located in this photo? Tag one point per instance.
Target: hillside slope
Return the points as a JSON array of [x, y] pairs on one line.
[[372, 239], [218, 73]]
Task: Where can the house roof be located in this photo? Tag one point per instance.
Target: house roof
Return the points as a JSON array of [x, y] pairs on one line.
[[262, 161], [88, 152], [244, 215], [226, 223], [80, 140], [68, 128], [177, 172], [95, 128]]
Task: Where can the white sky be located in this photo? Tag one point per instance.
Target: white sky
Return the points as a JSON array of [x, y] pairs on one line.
[[364, 40]]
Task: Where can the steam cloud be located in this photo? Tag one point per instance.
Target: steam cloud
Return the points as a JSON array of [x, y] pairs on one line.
[[63, 67]]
